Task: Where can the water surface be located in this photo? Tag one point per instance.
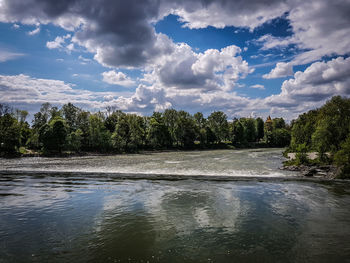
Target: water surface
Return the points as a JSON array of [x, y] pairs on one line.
[[252, 162], [55, 218]]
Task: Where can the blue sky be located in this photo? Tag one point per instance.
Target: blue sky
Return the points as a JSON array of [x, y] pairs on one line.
[[243, 57]]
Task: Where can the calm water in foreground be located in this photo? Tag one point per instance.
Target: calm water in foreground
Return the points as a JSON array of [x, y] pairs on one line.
[[53, 218]]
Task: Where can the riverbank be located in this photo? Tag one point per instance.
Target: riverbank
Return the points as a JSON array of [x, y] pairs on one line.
[[312, 167], [328, 172]]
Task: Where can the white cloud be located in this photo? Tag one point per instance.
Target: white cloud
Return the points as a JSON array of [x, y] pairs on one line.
[[57, 43], [16, 26], [6, 55], [319, 28], [25, 92], [191, 81], [84, 59], [310, 89], [258, 86], [270, 41], [282, 69], [184, 69], [117, 78], [70, 47], [60, 43], [221, 13], [108, 97], [121, 35], [34, 32]]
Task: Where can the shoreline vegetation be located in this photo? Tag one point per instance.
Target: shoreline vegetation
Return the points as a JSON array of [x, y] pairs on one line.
[[72, 131], [320, 141]]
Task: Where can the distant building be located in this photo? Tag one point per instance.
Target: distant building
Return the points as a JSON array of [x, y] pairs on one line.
[[268, 124], [268, 120]]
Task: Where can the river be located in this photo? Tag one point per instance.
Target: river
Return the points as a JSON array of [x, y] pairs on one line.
[[92, 214]]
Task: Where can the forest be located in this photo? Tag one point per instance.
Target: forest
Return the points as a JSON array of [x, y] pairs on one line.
[[70, 129]]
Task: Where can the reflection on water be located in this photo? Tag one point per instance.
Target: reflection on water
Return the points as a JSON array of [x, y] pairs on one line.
[[57, 219], [251, 162]]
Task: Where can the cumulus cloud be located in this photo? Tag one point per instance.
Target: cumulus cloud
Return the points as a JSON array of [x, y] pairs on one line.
[[117, 78], [29, 93], [282, 69], [211, 70], [60, 43], [311, 88], [57, 43], [319, 28], [120, 34], [191, 81], [221, 13]]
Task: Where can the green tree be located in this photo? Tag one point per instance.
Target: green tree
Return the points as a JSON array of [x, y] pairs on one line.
[[249, 129], [170, 120], [70, 114], [99, 137], [157, 133], [122, 134], [303, 128], [186, 129], [259, 129], [25, 133], [53, 135], [278, 123], [137, 132], [301, 154], [21, 115], [112, 120], [200, 120], [75, 139], [322, 139], [217, 122], [342, 158], [281, 137], [83, 124], [9, 134], [237, 136]]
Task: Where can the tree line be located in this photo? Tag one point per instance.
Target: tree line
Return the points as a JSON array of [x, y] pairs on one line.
[[73, 129], [326, 131]]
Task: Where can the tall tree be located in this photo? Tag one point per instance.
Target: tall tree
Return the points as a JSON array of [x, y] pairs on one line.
[[9, 134], [170, 120], [249, 129], [259, 129], [158, 134], [217, 122], [237, 136], [70, 114], [186, 129], [53, 135]]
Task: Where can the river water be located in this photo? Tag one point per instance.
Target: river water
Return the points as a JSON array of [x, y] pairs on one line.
[[55, 217]]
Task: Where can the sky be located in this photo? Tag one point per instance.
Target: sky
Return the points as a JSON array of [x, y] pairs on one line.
[[243, 57]]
